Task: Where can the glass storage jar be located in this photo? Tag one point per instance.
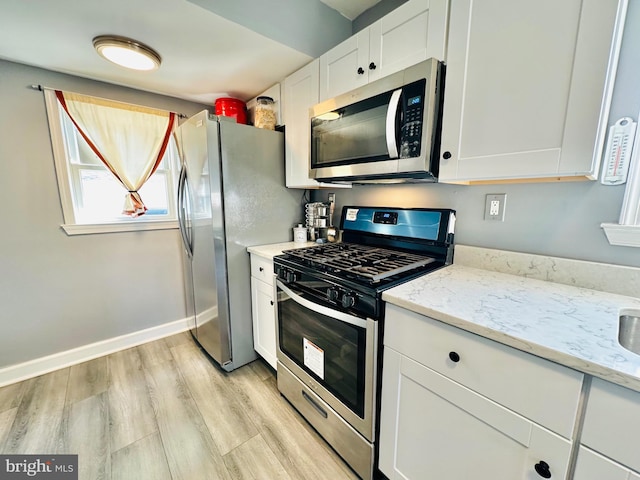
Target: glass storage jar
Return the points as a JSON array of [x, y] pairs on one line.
[[265, 113]]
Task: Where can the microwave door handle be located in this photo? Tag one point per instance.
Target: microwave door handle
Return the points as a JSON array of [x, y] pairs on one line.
[[391, 125]]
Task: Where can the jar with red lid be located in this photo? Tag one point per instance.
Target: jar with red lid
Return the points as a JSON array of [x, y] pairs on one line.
[[232, 107]]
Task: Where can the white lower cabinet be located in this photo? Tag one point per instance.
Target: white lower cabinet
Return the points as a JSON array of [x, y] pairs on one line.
[[611, 427], [433, 427], [593, 466], [263, 309], [456, 406]]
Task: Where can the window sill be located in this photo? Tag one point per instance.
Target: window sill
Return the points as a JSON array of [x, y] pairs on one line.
[[91, 228], [623, 235]]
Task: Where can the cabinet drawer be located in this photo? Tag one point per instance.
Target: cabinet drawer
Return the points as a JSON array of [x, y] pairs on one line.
[[432, 424], [592, 466], [612, 422], [540, 390], [262, 268]]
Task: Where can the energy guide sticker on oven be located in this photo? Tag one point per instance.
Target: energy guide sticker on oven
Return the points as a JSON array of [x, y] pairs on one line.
[[313, 357]]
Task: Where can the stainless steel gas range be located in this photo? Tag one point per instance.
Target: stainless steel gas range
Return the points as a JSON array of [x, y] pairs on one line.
[[331, 318]]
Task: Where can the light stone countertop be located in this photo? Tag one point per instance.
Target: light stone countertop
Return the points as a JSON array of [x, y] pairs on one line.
[[573, 326], [270, 251]]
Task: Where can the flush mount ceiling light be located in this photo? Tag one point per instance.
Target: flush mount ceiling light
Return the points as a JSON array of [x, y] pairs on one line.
[[127, 52]]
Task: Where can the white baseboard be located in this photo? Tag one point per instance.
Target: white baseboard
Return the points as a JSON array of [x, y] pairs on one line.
[[40, 366]]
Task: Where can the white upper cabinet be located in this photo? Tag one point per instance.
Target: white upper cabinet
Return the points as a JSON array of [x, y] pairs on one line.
[[527, 88], [345, 66], [299, 93], [411, 33]]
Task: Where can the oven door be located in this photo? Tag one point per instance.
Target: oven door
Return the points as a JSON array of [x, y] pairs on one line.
[[332, 352]]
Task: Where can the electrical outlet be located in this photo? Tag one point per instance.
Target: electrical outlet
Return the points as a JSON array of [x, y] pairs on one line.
[[494, 206]]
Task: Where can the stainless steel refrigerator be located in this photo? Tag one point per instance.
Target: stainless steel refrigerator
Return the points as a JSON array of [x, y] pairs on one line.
[[231, 195]]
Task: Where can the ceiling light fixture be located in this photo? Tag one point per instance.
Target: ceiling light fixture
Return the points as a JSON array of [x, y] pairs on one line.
[[126, 52]]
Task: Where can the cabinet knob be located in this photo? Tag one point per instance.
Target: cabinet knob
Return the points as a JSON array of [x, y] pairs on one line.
[[454, 357], [360, 71], [542, 468], [372, 66], [261, 269], [446, 155], [271, 301]]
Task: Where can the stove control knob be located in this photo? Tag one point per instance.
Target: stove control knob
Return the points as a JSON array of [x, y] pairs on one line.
[[292, 277], [348, 300], [282, 273], [332, 294]]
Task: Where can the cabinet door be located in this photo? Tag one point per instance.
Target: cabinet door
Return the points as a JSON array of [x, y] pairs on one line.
[[527, 88], [611, 419], [264, 320], [432, 427], [592, 466], [345, 66], [410, 34], [299, 94]]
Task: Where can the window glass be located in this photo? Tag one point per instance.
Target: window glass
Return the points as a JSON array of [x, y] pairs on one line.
[[92, 192]]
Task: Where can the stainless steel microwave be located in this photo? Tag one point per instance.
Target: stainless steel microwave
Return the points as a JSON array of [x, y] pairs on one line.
[[386, 131]]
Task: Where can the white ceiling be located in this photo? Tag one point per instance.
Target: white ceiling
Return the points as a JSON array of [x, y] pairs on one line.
[[204, 56]]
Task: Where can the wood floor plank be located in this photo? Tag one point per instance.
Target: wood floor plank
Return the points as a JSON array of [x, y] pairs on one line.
[[130, 414], [179, 339], [11, 395], [154, 352], [302, 452], [87, 379], [191, 452], [262, 369], [140, 460], [36, 425], [254, 460], [167, 420], [6, 420], [85, 431], [224, 416]]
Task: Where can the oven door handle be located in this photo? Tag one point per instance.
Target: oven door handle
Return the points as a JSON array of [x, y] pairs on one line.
[[343, 317]]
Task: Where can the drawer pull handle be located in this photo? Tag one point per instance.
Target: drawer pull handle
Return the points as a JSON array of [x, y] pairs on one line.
[[454, 357], [318, 408], [542, 468], [261, 269]]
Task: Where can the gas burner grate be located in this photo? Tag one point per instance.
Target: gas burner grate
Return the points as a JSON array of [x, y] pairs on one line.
[[368, 262]]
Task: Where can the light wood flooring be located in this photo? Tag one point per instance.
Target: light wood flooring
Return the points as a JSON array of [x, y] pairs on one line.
[[161, 411]]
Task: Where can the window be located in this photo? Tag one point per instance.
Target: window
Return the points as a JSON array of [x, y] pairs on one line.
[[91, 197]]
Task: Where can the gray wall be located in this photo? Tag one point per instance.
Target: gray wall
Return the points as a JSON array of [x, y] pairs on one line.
[[308, 26], [557, 219], [59, 292], [376, 12]]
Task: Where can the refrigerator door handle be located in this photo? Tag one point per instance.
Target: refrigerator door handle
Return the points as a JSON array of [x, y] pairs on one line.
[[182, 224]]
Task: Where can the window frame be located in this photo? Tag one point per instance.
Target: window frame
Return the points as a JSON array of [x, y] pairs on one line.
[[63, 175]]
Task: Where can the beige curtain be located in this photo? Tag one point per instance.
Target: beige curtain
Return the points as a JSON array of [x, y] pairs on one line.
[[129, 139]]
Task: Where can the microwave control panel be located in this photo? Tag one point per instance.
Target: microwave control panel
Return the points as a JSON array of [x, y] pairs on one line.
[[413, 108]]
